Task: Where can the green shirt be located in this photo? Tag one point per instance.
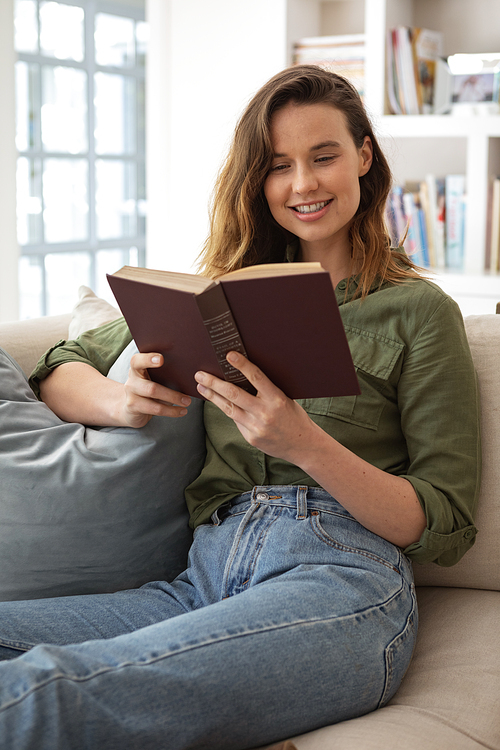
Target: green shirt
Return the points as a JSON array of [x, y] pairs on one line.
[[417, 415]]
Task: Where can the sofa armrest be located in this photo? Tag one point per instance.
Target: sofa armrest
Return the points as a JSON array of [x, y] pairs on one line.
[[27, 340]]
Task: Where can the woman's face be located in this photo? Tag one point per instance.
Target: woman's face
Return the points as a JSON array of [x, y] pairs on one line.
[[312, 188]]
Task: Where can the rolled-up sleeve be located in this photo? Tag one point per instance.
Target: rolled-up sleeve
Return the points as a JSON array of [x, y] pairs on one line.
[[99, 348], [439, 405]]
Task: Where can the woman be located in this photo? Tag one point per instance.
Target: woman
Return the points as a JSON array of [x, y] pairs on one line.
[[297, 609]]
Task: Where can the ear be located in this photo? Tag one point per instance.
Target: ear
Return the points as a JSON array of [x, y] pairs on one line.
[[365, 156]]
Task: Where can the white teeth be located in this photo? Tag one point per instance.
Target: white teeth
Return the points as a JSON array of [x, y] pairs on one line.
[[310, 209]]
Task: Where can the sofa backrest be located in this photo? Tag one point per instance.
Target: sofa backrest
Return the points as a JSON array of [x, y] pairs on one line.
[[27, 340], [480, 567]]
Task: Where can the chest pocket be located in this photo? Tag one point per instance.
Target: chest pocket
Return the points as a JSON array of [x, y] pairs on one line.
[[377, 360]]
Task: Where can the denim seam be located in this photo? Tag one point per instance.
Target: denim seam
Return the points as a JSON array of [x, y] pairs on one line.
[[227, 585], [398, 639], [258, 547], [17, 645]]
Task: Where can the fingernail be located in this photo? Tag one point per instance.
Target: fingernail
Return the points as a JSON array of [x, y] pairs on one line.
[[201, 388], [232, 356], [185, 400], [155, 360]]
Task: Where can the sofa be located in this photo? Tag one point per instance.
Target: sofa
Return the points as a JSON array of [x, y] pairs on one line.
[[450, 696]]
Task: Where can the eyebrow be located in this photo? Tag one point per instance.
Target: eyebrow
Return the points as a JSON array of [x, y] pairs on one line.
[[326, 144]]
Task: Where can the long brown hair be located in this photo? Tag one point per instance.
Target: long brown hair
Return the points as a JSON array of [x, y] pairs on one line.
[[242, 229]]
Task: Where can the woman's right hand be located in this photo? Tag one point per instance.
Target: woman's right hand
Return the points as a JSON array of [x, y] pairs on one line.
[[144, 398]]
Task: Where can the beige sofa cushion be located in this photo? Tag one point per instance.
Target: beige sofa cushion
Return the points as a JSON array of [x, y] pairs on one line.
[[26, 340], [480, 567]]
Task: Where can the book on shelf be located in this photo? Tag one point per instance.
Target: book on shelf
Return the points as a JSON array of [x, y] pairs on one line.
[[417, 229], [407, 224], [411, 69], [395, 216], [343, 54], [283, 316], [436, 217], [431, 213], [404, 97], [427, 46], [455, 220], [493, 232], [427, 219]]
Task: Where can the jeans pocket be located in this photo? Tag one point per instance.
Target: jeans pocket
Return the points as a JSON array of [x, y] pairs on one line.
[[346, 535]]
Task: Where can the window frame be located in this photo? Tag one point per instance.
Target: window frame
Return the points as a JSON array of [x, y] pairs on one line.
[[137, 157]]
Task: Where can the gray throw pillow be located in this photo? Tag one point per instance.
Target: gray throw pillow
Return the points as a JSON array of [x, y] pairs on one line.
[[86, 510]]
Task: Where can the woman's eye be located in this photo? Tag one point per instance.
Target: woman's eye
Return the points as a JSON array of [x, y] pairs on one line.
[[278, 167], [324, 159]]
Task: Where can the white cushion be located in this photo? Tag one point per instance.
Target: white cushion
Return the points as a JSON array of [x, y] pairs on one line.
[[90, 312]]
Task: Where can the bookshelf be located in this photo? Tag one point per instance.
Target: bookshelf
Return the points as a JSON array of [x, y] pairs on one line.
[[192, 103], [442, 144]]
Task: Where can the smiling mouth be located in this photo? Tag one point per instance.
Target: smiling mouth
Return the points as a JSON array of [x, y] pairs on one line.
[[311, 208]]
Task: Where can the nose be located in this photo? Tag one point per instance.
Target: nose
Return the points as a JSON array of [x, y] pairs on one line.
[[304, 180]]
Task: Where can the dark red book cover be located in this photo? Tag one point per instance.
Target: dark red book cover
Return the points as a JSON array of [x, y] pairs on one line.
[[289, 325]]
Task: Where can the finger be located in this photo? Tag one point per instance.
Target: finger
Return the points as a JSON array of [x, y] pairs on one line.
[[228, 406], [213, 386], [140, 364], [253, 374], [227, 396], [147, 406], [156, 392]]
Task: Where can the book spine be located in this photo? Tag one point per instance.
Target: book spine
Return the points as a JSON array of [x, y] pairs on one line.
[[495, 226], [222, 331], [392, 90], [401, 225], [413, 244], [455, 189], [429, 223]]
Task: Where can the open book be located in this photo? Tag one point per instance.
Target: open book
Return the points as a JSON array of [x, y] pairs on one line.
[[283, 316]]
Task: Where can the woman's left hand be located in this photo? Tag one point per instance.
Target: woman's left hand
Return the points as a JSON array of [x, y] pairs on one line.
[[269, 420]]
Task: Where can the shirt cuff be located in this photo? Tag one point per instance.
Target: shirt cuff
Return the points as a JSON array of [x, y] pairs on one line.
[[443, 549]]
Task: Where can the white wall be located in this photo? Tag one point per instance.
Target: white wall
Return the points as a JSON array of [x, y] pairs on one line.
[[206, 60], [9, 251]]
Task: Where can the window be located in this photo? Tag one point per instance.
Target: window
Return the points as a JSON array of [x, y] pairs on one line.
[[81, 199]]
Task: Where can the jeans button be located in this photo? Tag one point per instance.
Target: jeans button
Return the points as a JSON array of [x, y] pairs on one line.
[[262, 496]]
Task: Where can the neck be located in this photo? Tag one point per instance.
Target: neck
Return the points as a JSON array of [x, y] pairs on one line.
[[336, 260]]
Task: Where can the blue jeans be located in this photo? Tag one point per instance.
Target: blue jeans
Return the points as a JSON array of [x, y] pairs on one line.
[[290, 616]]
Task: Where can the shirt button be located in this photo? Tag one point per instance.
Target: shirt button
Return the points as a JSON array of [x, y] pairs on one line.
[[468, 534], [341, 285], [262, 496]]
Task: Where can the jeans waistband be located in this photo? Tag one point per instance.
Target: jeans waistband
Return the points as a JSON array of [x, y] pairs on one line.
[[301, 497]]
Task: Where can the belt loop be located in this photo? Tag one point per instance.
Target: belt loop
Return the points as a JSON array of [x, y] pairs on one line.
[[216, 515], [301, 503], [215, 518]]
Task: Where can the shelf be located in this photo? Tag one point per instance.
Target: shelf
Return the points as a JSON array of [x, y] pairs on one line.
[[476, 294], [438, 126]]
